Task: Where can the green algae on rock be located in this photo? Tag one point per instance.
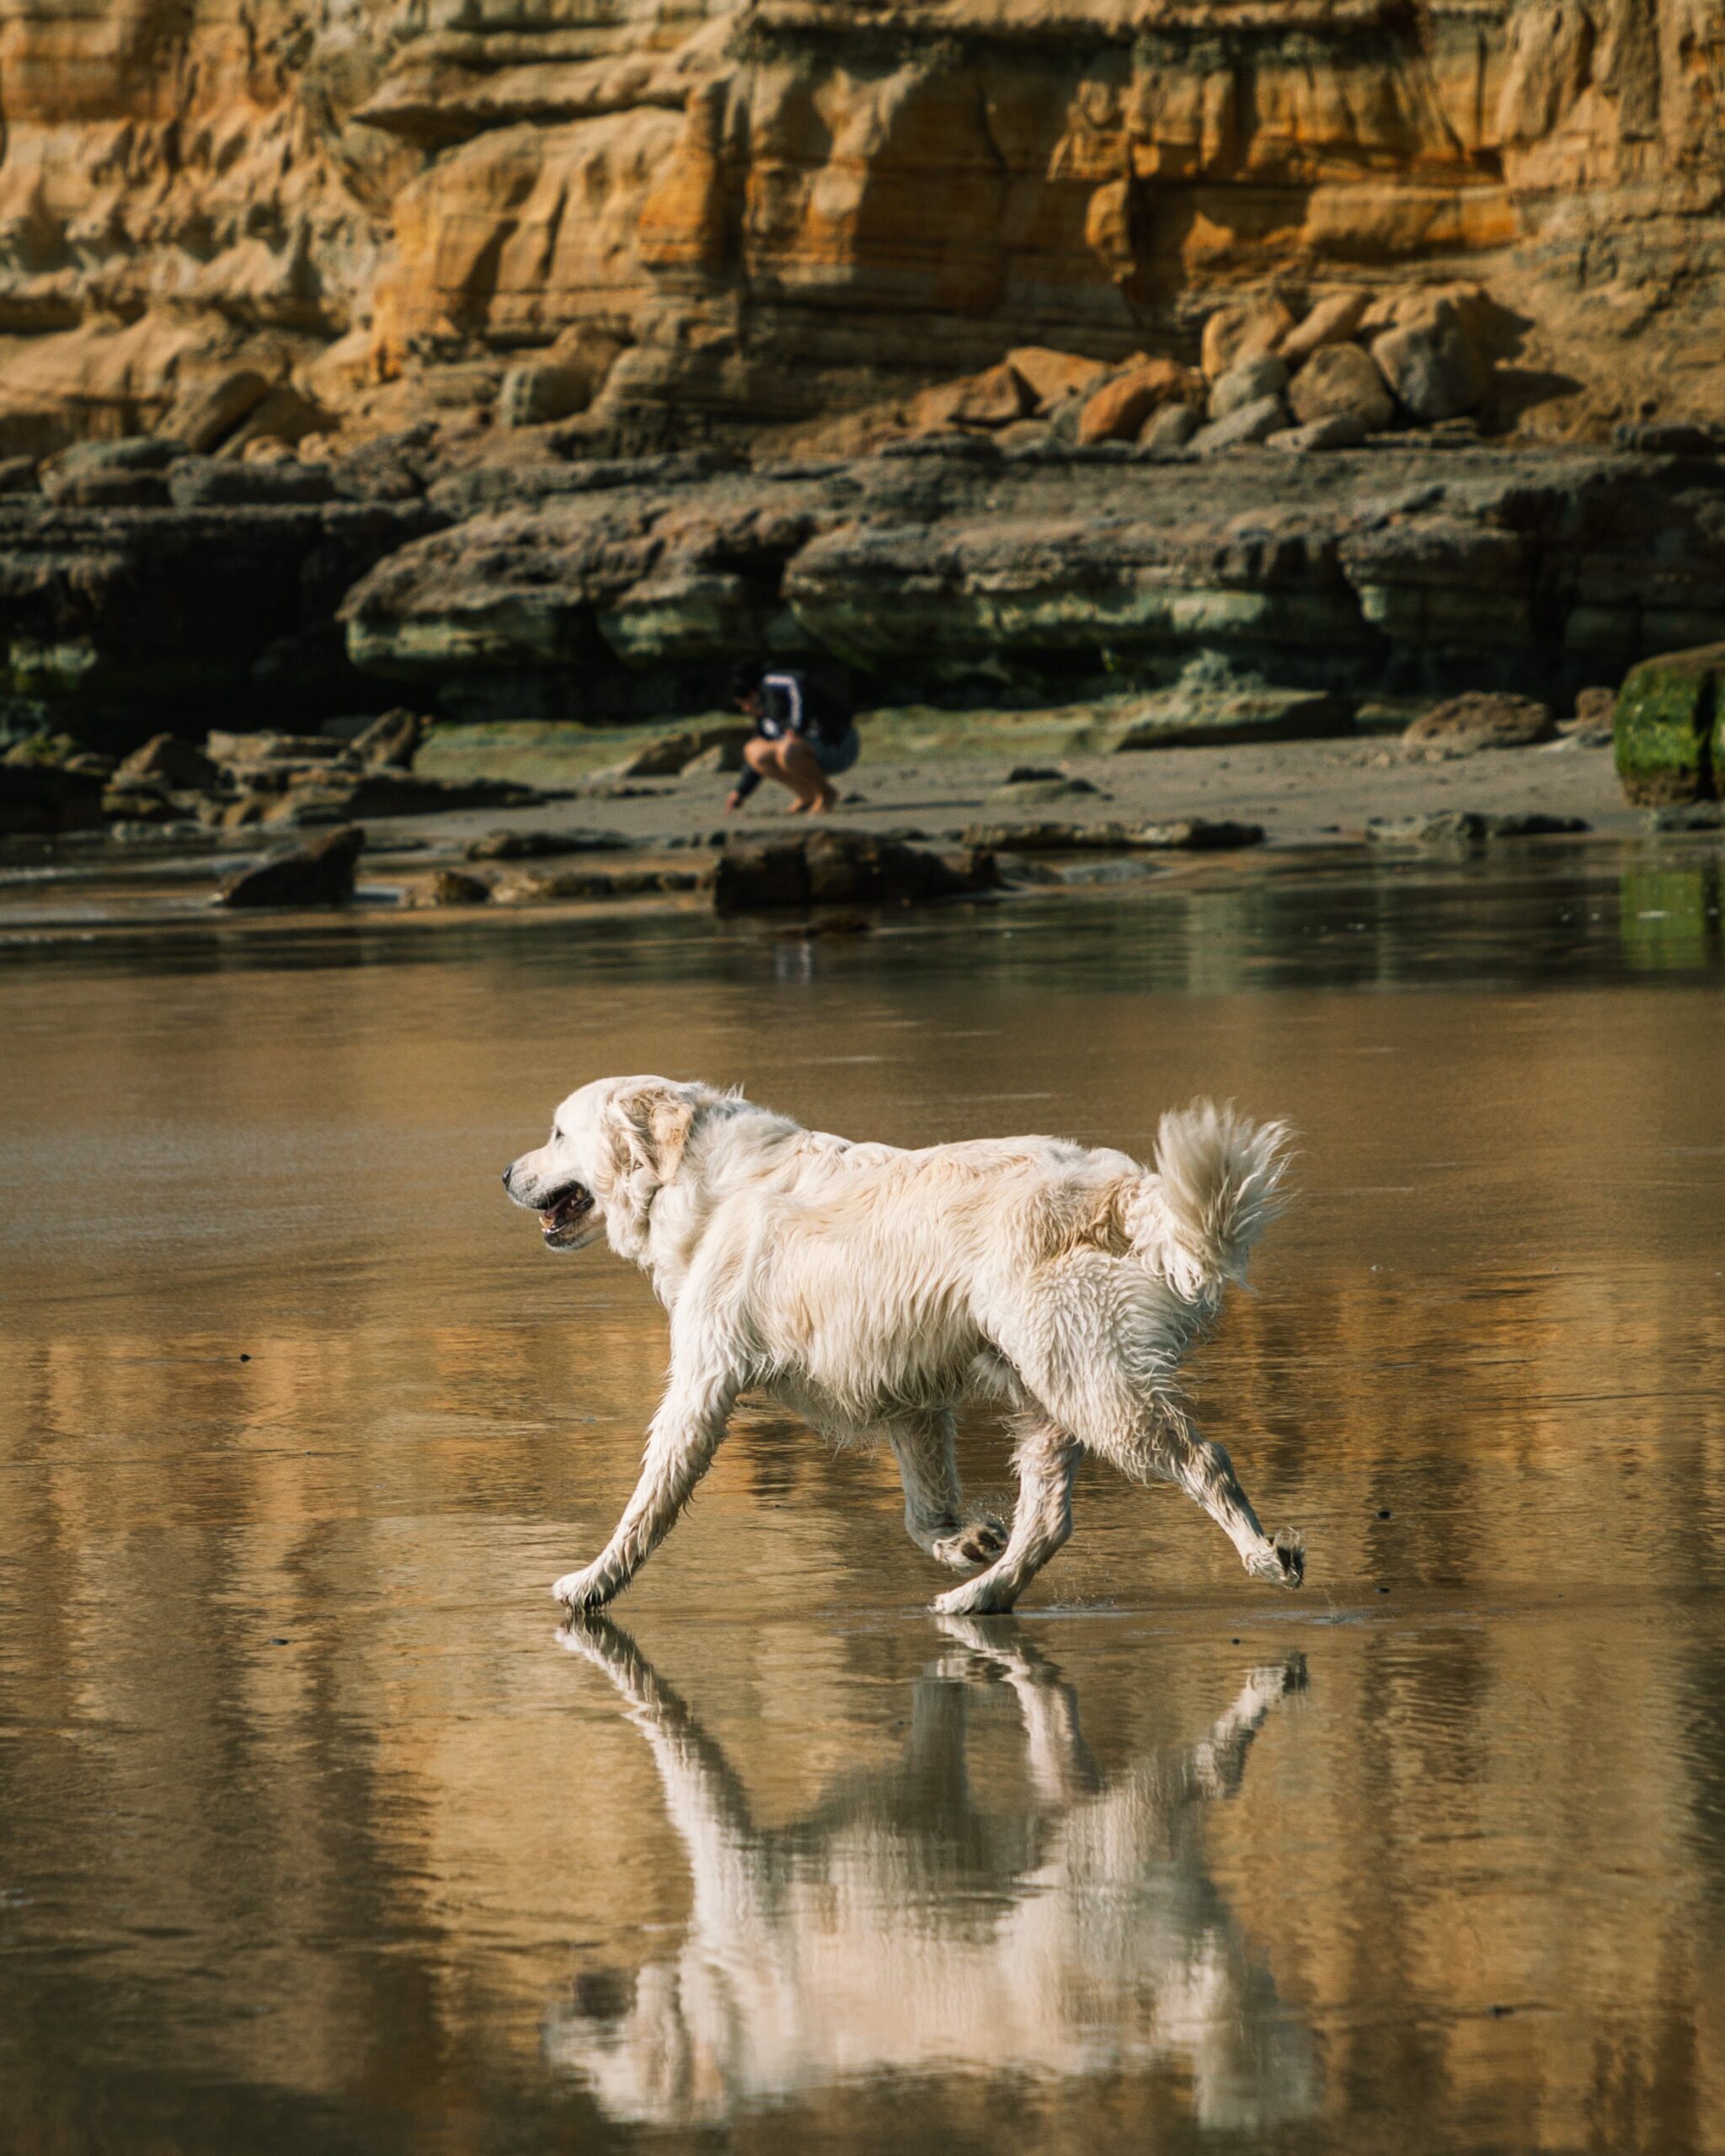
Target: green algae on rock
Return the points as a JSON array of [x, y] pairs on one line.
[[1668, 728]]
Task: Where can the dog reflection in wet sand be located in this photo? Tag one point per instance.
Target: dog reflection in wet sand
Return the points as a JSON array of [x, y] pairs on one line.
[[902, 1928]]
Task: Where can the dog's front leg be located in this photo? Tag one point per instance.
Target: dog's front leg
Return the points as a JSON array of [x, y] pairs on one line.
[[685, 1434]]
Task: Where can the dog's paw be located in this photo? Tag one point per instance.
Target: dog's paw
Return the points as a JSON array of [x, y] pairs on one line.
[[977, 1597], [580, 1591], [978, 1542], [1283, 1563]]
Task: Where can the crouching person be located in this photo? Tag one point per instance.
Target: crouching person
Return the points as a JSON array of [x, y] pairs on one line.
[[804, 736]]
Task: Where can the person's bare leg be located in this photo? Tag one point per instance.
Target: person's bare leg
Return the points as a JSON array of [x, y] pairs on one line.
[[800, 770]]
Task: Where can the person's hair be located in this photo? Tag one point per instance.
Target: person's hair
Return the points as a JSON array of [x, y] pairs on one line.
[[744, 681]]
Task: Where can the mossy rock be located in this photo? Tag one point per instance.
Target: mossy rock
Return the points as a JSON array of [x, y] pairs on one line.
[[1669, 727]]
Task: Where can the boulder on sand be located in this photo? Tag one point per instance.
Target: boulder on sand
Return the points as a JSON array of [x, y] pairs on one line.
[[1670, 728], [826, 867], [1120, 407], [1338, 379], [318, 874], [1484, 720]]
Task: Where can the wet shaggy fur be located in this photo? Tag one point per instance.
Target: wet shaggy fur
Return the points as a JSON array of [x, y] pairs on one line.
[[872, 1289]]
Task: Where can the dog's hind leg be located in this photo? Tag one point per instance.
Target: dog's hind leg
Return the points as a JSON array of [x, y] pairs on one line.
[[1203, 1471], [934, 1503], [1046, 1460], [1099, 1344], [685, 1435]]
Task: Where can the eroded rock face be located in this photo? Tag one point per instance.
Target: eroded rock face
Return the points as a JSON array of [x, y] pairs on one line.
[[779, 210], [943, 573]]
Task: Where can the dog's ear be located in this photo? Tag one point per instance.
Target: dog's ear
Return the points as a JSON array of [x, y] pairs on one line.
[[649, 1128]]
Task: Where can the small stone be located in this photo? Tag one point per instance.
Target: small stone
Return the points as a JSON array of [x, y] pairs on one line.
[[538, 846], [1251, 423], [392, 742], [1245, 382], [1340, 430], [1332, 321], [206, 410], [453, 887], [1687, 816], [1169, 428]]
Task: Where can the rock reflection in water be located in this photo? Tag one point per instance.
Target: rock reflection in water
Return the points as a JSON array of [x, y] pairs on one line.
[[901, 1927]]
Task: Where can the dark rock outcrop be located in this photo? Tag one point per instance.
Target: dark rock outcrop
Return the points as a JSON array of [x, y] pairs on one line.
[[831, 867], [320, 873]]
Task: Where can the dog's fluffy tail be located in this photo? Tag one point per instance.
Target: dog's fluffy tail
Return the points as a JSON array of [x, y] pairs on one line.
[[1215, 1187]]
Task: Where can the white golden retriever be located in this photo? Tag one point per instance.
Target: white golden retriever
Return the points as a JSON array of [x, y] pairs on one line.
[[872, 1290]]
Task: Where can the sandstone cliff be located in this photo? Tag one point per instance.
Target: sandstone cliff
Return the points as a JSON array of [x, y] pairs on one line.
[[781, 209]]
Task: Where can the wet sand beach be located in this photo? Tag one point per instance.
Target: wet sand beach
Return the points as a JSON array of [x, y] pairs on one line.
[[317, 1837]]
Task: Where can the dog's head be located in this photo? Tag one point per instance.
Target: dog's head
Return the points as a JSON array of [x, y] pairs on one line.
[[613, 1146]]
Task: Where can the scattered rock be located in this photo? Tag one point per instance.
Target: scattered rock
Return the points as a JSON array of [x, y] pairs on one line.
[[993, 398], [1338, 380], [319, 874], [1591, 728], [1247, 381], [1169, 428], [1687, 816], [166, 760], [1433, 368], [207, 410], [540, 845], [1191, 834], [1043, 786], [1251, 423], [1669, 727], [266, 747], [453, 887], [1242, 332], [1332, 321], [1198, 835], [543, 887], [1193, 718], [1467, 827], [1340, 430], [18, 475], [1118, 409], [392, 742], [1536, 823], [1482, 720], [1050, 376], [828, 868], [1447, 827], [670, 755]]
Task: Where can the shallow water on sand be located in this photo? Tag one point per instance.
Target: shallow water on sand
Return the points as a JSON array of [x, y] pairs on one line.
[[314, 1837]]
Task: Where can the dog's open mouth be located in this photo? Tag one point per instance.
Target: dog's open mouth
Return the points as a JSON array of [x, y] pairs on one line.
[[567, 1209]]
